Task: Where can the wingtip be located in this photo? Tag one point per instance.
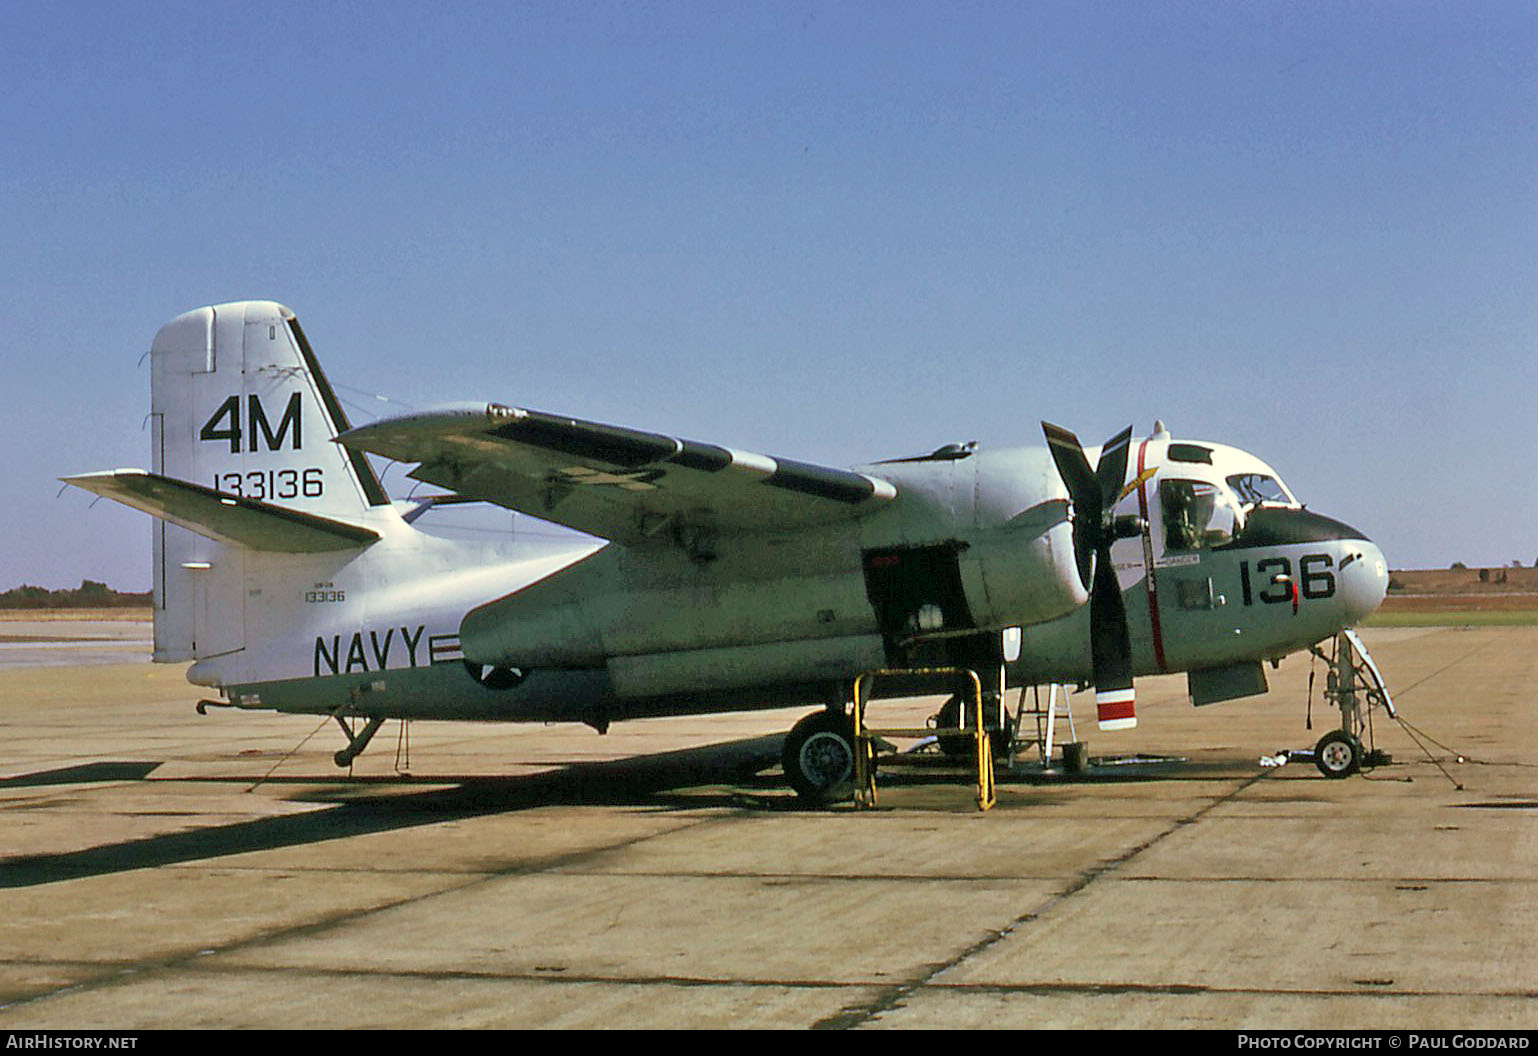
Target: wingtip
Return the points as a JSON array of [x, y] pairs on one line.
[[83, 480], [424, 421]]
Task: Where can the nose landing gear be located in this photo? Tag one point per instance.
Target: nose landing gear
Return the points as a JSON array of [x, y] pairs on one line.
[[1355, 686]]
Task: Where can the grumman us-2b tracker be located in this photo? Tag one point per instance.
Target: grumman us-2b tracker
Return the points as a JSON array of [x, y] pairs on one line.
[[711, 579]]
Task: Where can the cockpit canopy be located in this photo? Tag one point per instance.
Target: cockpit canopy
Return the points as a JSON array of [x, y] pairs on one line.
[[1207, 491], [1260, 489]]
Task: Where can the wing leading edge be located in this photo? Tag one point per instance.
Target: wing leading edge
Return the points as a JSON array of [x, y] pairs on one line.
[[622, 484], [226, 518]]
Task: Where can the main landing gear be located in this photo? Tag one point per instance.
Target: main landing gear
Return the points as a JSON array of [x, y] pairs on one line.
[[956, 713], [819, 756], [831, 755]]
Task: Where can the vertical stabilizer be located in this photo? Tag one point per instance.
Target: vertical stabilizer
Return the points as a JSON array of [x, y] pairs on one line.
[[239, 404]]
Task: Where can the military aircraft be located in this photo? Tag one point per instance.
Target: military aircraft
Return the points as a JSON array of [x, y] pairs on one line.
[[709, 578]]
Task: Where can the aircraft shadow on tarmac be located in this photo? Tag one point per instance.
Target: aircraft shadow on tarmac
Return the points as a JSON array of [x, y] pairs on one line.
[[86, 773], [357, 806], [360, 806]]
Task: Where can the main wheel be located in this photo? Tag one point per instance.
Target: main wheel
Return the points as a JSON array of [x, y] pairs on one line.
[[960, 746], [819, 757], [1338, 754]]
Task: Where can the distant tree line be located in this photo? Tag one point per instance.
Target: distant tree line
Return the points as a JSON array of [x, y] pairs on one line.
[[89, 595]]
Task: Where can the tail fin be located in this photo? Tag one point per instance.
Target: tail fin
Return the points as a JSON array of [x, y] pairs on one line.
[[239, 404]]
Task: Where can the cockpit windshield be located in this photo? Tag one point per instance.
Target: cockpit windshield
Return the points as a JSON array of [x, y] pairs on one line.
[[1257, 489], [1197, 515]]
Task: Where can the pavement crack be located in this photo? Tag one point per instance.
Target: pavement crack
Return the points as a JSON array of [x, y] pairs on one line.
[[892, 997], [181, 958]]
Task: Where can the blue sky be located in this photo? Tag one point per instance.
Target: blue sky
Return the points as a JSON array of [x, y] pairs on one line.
[[833, 232]]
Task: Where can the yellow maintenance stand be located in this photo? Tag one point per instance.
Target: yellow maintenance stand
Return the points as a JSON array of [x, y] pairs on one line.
[[933, 679]]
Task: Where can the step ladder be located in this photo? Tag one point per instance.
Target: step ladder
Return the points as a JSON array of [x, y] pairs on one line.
[[1045, 716]]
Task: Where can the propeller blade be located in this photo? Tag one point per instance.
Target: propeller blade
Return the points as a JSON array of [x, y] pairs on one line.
[[1137, 482], [1095, 493], [1111, 470], [1083, 491], [1110, 648]]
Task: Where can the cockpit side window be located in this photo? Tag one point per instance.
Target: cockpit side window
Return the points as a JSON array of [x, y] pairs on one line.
[[1257, 489], [1197, 515]]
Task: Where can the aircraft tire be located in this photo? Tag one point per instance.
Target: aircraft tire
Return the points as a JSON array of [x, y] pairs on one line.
[[1338, 754], [818, 757], [957, 746]]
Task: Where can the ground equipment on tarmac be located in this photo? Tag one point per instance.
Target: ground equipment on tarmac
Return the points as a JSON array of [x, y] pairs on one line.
[[965, 683]]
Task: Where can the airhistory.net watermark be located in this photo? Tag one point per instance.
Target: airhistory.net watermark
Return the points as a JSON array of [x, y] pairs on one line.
[[38, 1040]]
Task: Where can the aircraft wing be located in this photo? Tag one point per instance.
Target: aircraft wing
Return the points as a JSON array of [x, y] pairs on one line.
[[618, 483]]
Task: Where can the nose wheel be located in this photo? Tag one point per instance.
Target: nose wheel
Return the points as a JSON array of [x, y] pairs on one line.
[[1338, 754]]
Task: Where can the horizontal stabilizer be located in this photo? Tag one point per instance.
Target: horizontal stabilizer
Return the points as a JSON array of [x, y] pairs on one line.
[[227, 518]]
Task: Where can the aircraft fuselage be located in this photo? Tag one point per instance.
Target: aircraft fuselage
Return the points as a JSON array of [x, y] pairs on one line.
[[970, 547]]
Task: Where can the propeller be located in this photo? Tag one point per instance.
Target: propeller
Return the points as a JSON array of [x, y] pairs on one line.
[[1095, 493]]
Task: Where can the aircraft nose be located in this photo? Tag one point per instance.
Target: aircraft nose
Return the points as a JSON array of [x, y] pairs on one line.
[[1363, 579], [1361, 571]]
